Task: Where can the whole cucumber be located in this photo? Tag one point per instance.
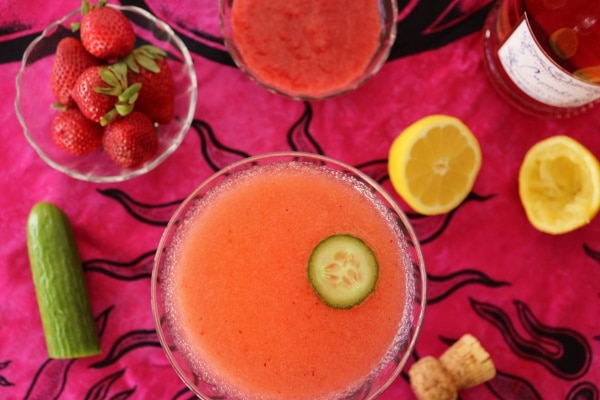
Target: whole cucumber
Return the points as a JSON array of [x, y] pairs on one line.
[[69, 326]]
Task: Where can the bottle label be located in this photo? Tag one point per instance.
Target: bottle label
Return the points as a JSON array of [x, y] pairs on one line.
[[536, 74]]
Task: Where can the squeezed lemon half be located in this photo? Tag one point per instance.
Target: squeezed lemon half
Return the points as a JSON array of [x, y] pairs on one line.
[[559, 185], [433, 164]]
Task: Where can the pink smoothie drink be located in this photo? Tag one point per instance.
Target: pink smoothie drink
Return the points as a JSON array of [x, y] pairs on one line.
[[307, 48], [241, 303]]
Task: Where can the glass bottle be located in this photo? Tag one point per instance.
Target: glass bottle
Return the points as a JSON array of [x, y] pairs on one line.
[[543, 56]]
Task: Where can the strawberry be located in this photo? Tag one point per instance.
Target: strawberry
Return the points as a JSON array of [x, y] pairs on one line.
[[105, 32], [101, 92], [131, 140], [70, 61], [76, 134], [148, 66]]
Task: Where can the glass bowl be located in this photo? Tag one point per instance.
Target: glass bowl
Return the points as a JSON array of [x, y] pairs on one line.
[[34, 98], [312, 58], [192, 367]]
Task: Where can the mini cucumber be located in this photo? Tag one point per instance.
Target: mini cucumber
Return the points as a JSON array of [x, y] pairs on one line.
[[69, 326], [343, 271]]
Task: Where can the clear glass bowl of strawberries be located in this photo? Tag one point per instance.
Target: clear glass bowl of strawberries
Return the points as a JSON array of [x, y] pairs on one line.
[[106, 93]]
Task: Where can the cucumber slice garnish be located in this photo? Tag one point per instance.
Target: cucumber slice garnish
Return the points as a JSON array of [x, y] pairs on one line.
[[343, 271]]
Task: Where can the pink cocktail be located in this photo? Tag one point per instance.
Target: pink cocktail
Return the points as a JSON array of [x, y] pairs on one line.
[[235, 309]]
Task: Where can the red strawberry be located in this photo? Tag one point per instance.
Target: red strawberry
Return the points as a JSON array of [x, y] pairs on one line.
[[70, 61], [76, 134], [131, 140], [94, 104], [156, 97], [105, 32], [101, 93]]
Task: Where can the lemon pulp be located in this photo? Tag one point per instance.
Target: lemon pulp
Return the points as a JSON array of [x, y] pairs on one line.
[[559, 185], [433, 164]]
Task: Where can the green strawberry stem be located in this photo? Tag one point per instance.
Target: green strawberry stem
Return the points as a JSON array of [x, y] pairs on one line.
[[130, 94], [85, 8], [144, 56], [115, 76]]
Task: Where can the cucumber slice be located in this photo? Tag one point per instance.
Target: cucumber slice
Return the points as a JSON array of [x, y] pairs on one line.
[[69, 326], [343, 271]]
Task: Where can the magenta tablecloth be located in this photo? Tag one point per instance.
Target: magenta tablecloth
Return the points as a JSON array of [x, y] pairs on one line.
[[532, 299]]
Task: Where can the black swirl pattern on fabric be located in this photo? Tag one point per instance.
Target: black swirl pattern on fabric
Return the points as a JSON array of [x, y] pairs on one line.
[[128, 342], [509, 387], [215, 153], [152, 214], [186, 394], [102, 389], [5, 382], [439, 287], [563, 351], [429, 227], [431, 25], [50, 379], [102, 320], [592, 253], [299, 137], [138, 268], [584, 391]]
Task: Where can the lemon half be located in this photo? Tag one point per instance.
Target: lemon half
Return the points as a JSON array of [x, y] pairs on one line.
[[559, 185], [433, 164]]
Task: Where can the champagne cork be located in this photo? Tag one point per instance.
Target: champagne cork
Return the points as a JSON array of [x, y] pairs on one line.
[[468, 363], [462, 366], [430, 380]]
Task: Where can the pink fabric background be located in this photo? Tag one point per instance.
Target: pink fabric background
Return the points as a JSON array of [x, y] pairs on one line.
[[491, 273]]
